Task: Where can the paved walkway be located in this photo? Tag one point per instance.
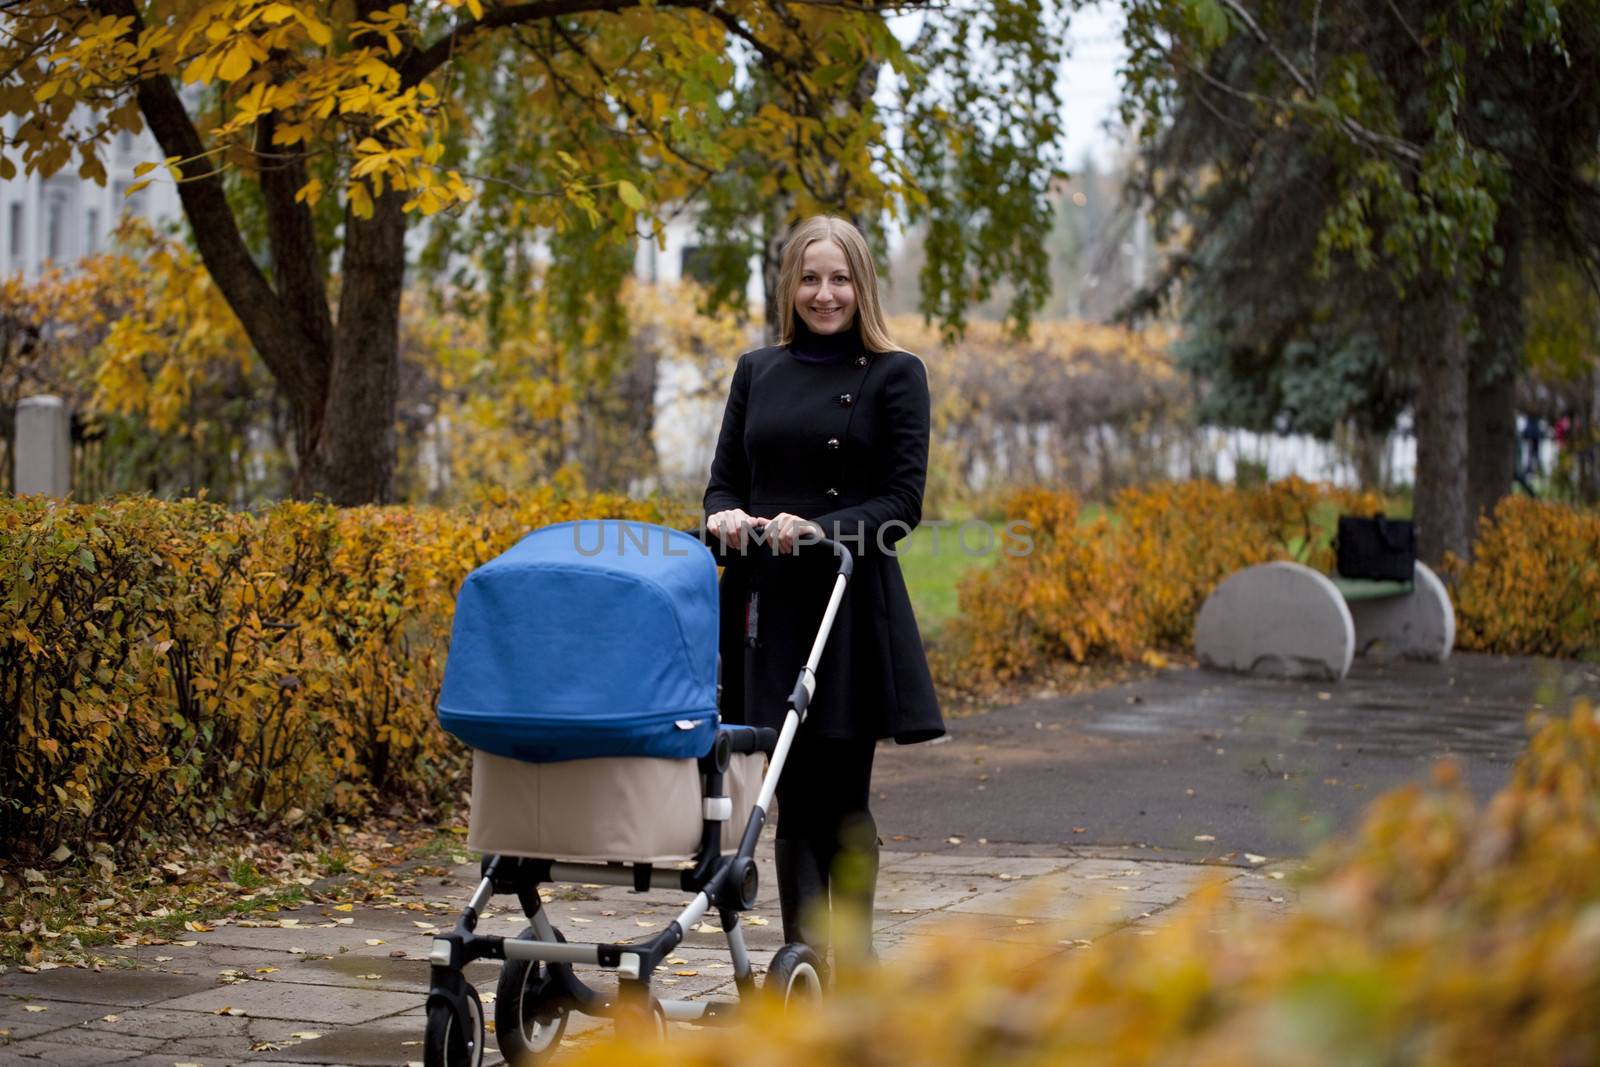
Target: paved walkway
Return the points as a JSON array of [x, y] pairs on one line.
[[324, 986]]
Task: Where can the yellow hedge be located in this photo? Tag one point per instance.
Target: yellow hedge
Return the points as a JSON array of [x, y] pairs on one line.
[[1129, 580], [179, 665], [1439, 935], [1533, 586]]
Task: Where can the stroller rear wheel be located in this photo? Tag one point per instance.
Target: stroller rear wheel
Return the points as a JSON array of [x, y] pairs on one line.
[[794, 977], [529, 1013], [446, 1042]]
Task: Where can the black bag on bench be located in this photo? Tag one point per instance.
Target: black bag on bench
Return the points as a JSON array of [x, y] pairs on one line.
[[1376, 548]]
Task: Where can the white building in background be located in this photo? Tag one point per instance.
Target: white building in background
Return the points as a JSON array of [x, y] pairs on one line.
[[63, 218]]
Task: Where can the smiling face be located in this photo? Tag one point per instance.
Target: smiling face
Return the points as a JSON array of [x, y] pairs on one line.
[[826, 297]]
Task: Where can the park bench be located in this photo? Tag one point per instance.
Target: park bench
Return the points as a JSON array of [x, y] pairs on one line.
[[1287, 619]]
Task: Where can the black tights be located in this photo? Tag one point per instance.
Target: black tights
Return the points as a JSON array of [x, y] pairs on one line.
[[826, 787]]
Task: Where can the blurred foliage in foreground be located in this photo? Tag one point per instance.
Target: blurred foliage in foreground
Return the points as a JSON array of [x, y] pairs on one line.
[[1440, 934]]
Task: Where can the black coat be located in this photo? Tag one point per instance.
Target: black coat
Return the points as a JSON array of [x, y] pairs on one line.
[[844, 444]]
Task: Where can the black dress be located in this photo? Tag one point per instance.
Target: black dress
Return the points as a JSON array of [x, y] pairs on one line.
[[837, 435]]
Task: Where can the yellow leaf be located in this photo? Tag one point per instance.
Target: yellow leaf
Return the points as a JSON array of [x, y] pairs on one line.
[[236, 65], [630, 195]]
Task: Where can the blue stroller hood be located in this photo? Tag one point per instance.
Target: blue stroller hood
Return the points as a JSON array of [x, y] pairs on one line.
[[586, 639]]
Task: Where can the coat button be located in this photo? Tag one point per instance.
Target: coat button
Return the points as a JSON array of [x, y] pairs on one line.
[[861, 361], [833, 444], [845, 400], [833, 492]]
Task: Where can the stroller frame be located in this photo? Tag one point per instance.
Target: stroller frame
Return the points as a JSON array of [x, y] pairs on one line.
[[728, 883]]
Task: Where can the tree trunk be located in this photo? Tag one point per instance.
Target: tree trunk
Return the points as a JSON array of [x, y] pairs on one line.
[[1442, 385], [1496, 361], [1367, 451], [1589, 473], [353, 459], [1491, 440], [777, 234]]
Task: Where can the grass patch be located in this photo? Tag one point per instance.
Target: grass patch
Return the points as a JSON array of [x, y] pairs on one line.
[[934, 559]]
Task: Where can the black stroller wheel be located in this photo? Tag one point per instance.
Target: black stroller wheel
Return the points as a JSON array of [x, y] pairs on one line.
[[529, 1013], [794, 977], [446, 1043]]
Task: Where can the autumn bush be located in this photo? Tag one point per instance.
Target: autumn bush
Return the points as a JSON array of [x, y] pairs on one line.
[[1533, 586], [181, 666], [1439, 934], [1129, 581]]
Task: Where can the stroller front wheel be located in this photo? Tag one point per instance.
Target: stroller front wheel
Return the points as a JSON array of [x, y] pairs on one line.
[[449, 1043], [794, 977], [529, 1016]]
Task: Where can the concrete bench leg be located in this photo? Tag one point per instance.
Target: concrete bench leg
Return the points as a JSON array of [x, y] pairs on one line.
[[1420, 625], [1276, 618]]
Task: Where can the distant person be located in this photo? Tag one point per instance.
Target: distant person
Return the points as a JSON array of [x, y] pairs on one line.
[[1529, 465]]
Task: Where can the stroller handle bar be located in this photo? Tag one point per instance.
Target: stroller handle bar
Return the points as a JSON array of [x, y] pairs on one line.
[[725, 555]]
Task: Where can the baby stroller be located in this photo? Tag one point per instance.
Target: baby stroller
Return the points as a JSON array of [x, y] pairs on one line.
[[583, 673]]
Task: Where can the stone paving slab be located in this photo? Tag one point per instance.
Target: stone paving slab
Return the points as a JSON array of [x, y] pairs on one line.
[[316, 976]]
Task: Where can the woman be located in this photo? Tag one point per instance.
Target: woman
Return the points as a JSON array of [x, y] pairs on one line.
[[825, 433]]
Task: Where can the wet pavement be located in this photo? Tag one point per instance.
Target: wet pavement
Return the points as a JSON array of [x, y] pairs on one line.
[[321, 986], [1049, 825], [1270, 766]]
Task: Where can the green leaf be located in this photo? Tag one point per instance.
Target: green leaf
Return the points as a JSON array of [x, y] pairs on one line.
[[630, 195]]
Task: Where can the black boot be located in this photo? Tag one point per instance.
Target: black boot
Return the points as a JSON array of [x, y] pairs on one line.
[[855, 883], [802, 895]]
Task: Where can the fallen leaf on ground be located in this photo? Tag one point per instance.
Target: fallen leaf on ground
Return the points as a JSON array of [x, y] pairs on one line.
[[954, 840], [755, 920], [265, 970], [374, 940], [109, 1018], [1204, 837], [685, 974], [34, 1007], [228, 1011], [370, 977], [1253, 858], [305, 1035], [344, 907]]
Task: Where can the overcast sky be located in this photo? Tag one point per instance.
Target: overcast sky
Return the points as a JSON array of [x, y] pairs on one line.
[[1089, 85]]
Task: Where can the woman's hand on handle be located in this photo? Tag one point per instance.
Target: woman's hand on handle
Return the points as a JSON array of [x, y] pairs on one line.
[[788, 532], [732, 526]]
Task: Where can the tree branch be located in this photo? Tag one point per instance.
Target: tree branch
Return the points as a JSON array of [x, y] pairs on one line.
[[1353, 129], [286, 352], [292, 237], [419, 64]]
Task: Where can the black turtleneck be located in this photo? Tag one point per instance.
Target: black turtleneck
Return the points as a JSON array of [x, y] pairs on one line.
[[811, 347]]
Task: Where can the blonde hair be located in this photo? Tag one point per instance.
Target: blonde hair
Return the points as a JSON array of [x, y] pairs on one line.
[[863, 278]]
